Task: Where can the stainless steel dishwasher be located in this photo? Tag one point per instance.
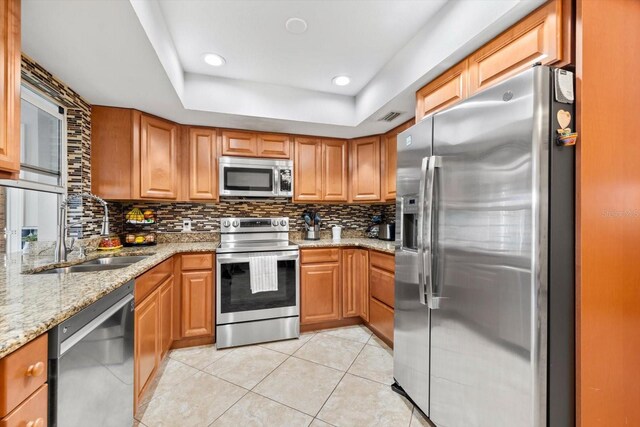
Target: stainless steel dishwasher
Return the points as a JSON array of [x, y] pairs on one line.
[[91, 364]]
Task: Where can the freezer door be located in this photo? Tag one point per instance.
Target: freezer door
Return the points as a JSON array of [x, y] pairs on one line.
[[488, 336], [411, 330]]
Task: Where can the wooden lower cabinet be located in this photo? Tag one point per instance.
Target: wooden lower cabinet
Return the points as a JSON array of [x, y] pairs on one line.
[[355, 283], [147, 342], [197, 303], [320, 293], [166, 307], [30, 413], [381, 319]]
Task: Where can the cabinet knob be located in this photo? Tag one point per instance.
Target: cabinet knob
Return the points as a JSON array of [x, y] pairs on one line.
[[37, 423], [35, 370]]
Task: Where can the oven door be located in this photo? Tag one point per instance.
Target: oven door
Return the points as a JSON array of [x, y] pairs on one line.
[[248, 180], [236, 303]]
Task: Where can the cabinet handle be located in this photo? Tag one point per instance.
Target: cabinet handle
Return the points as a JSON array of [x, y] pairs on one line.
[[37, 423], [35, 370]]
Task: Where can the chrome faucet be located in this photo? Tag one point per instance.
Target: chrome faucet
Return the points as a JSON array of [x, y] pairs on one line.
[[61, 244]]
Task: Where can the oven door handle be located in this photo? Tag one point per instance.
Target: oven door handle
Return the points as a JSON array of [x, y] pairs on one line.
[[244, 257]]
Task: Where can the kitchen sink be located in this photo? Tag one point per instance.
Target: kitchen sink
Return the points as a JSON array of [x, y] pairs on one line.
[[116, 260], [83, 268], [98, 264]]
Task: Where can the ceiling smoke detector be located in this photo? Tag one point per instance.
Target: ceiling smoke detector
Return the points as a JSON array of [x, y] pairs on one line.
[[390, 116], [296, 25]]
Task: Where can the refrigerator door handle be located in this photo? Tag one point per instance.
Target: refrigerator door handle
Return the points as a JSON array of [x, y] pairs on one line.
[[421, 209], [427, 254]]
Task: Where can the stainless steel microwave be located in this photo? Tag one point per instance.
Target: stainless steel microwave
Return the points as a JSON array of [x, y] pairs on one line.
[[249, 177]]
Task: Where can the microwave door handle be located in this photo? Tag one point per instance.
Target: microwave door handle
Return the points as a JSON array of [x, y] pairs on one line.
[[421, 209], [276, 190]]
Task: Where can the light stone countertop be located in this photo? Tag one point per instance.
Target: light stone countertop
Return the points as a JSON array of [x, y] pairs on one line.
[[361, 242], [31, 304]]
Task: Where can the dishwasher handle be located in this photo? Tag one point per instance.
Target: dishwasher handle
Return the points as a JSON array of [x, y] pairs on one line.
[[68, 343]]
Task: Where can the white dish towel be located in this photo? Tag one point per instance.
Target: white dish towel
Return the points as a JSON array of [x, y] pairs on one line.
[[263, 273]]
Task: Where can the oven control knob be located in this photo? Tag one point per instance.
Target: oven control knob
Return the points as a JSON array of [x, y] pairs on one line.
[[283, 222], [274, 222], [226, 224], [235, 223]]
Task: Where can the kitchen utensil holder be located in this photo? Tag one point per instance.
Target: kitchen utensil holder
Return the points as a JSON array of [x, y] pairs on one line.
[[312, 233]]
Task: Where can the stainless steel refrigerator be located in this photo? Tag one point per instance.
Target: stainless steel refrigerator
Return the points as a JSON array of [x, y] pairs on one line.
[[484, 314]]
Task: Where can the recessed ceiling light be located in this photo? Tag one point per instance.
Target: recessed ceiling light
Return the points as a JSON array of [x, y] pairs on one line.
[[296, 25], [341, 80], [214, 59]]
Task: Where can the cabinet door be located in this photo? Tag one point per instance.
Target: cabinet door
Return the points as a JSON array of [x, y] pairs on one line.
[[355, 283], [166, 316], [445, 90], [350, 289], [274, 145], [389, 162], [362, 268], [307, 185], [537, 38], [235, 143], [319, 293], [147, 343], [158, 158], [10, 89], [365, 169], [203, 182], [197, 303], [335, 167]]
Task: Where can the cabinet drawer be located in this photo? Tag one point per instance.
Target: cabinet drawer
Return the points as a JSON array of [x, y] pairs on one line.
[[382, 286], [197, 262], [311, 256], [381, 318], [147, 282], [32, 412], [21, 373], [383, 261]]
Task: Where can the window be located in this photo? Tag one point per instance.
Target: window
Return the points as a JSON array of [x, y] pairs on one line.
[[29, 205]]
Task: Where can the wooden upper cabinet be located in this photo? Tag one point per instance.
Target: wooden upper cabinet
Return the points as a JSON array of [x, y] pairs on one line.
[[389, 154], [158, 158], [237, 143], [442, 92], [307, 166], [536, 38], [274, 145], [335, 167], [365, 169], [10, 89], [203, 177]]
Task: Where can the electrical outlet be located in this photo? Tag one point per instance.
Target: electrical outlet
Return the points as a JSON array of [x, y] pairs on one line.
[[186, 225]]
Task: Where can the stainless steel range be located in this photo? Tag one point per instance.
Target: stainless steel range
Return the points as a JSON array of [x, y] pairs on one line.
[[257, 282]]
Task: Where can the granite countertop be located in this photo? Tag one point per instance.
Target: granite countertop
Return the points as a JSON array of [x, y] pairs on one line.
[[31, 304], [361, 242]]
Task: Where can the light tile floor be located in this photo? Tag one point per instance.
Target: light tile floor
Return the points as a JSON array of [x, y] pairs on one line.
[[338, 377]]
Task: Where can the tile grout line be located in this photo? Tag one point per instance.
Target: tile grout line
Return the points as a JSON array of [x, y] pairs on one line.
[[338, 383]]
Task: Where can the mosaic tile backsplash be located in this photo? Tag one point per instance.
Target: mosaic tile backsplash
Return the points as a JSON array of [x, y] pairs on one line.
[[206, 217]]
